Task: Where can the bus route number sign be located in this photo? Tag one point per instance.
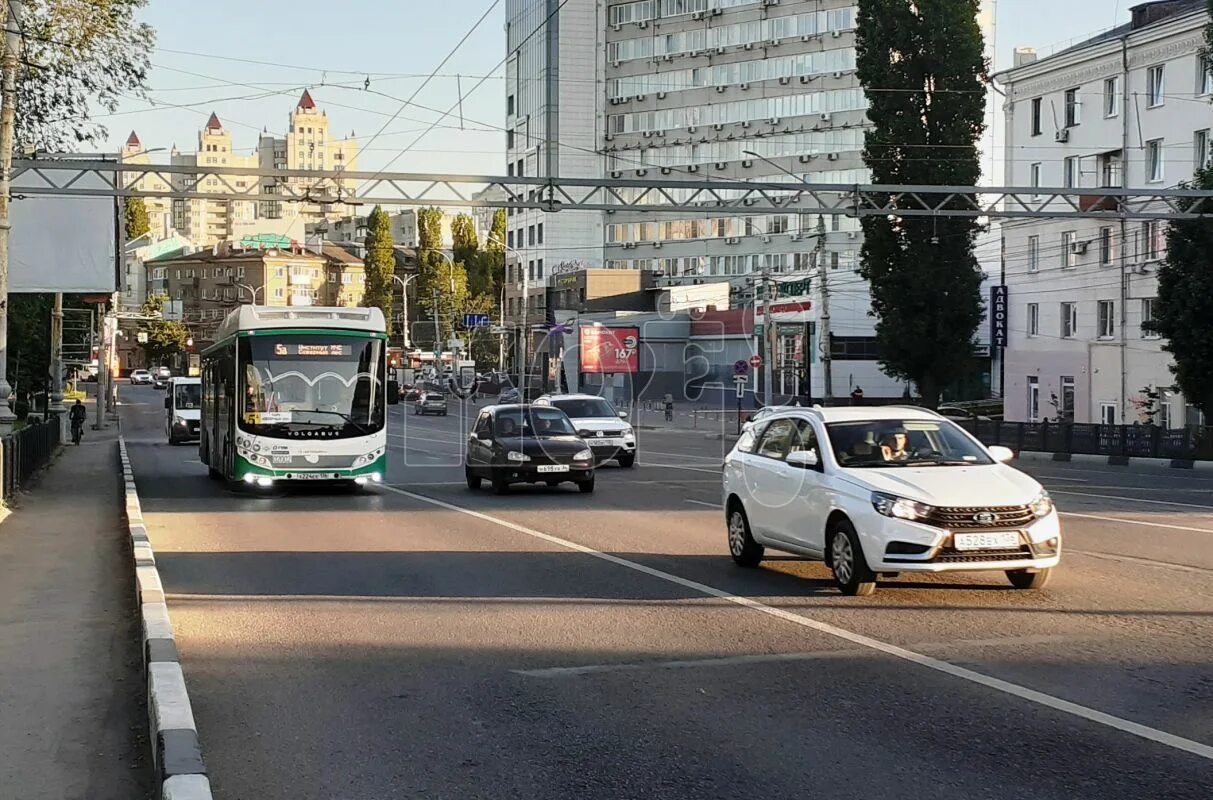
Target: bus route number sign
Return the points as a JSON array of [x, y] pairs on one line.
[[311, 350]]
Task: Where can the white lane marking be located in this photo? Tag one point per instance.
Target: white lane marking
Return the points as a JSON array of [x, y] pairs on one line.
[[429, 599], [771, 658], [646, 451], [1059, 478], [997, 684], [680, 466], [1147, 489], [1147, 562], [1131, 499], [702, 503], [1136, 522], [411, 438]]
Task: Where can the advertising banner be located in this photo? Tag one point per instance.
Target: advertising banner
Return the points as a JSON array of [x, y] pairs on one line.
[[998, 316], [609, 351]]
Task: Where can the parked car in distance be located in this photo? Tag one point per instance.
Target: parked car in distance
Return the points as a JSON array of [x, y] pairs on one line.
[[160, 381], [162, 372], [509, 395], [960, 414], [879, 491], [430, 401], [140, 377], [603, 428], [526, 444]]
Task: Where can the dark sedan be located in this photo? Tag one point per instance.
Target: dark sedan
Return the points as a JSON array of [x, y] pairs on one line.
[[527, 444]]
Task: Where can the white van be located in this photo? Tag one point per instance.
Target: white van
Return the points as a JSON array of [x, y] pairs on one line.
[[183, 409]]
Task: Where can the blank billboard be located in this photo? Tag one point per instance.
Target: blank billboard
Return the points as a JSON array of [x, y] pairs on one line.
[[62, 244]]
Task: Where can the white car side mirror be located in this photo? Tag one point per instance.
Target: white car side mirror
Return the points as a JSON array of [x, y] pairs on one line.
[[745, 426], [1003, 455], [623, 415], [804, 458]]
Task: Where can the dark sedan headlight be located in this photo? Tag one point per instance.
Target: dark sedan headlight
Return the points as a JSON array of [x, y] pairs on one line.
[[583, 455], [1042, 505], [891, 505]]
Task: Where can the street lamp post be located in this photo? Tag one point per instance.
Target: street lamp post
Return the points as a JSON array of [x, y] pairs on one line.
[[823, 279], [404, 305], [252, 290]]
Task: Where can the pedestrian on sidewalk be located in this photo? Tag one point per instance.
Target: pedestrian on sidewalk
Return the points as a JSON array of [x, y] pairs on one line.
[[668, 401], [857, 396]]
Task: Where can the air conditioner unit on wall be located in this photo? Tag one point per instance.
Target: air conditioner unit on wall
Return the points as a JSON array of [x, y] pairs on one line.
[[1078, 248], [1062, 135]]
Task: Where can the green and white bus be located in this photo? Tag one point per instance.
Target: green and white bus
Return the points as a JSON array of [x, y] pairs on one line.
[[296, 394]]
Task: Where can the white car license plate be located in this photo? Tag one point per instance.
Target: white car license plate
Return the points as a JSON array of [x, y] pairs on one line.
[[606, 442], [553, 468], [1008, 540]]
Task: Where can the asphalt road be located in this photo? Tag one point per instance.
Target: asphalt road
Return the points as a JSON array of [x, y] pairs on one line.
[[421, 640]]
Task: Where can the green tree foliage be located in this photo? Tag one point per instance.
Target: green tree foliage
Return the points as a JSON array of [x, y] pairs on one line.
[[165, 338], [81, 57], [29, 341], [380, 264], [465, 244], [136, 219], [1183, 313], [922, 66]]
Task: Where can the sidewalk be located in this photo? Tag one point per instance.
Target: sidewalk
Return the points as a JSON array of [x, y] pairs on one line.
[[73, 714]]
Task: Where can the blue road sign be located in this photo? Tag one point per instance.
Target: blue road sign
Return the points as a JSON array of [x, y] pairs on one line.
[[740, 368], [475, 320]]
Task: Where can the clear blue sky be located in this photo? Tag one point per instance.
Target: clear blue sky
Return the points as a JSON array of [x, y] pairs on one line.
[[328, 43]]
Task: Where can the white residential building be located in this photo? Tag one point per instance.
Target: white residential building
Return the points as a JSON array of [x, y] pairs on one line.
[[1130, 108]]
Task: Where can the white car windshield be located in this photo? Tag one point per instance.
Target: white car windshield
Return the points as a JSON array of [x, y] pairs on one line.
[[903, 443]]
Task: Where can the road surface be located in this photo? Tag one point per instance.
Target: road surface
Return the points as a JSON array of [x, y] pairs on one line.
[[422, 640]]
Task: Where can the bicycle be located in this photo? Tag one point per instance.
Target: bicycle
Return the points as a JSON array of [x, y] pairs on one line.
[[77, 432]]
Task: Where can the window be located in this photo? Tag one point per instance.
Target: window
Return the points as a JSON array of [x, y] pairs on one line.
[[1154, 86], [1073, 172], [509, 138], [1153, 240], [509, 238], [1147, 319], [1033, 319], [1033, 398], [1069, 320], [1204, 78], [1200, 150], [530, 236], [1034, 177], [1107, 319], [1110, 169], [1033, 253], [509, 105], [530, 270], [539, 269], [1069, 255], [777, 440], [1107, 413], [1107, 246], [1065, 407], [539, 232], [1154, 163], [1073, 108], [1111, 97], [1036, 116]]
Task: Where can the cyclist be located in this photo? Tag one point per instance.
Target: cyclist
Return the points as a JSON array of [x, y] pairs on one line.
[[77, 416]]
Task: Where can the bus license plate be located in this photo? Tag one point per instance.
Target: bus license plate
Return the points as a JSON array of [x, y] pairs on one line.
[[553, 468], [1008, 540], [312, 476]]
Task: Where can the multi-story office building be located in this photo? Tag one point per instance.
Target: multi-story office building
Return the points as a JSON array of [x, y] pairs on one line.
[[1128, 108], [206, 221], [159, 209], [712, 90], [309, 144], [553, 100], [209, 283]]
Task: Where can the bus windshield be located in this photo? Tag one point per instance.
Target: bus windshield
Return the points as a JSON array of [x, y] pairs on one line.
[[303, 386]]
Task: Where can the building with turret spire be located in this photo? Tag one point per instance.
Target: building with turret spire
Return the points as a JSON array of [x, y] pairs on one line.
[[159, 209], [308, 145]]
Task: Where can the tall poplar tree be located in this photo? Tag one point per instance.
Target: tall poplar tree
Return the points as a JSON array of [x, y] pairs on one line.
[[380, 264], [922, 66]]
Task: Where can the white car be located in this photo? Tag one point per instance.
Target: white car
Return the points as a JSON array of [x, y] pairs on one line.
[[141, 377], [879, 491], [604, 429]]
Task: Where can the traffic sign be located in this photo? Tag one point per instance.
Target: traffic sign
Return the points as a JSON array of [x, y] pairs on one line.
[[476, 320], [739, 383], [740, 368], [755, 361]]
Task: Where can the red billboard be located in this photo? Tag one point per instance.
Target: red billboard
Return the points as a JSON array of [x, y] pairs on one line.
[[609, 351]]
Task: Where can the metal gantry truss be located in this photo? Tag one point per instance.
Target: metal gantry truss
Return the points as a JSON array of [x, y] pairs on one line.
[[82, 177]]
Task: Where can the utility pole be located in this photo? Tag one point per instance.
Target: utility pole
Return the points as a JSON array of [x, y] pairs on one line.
[[768, 333], [8, 121], [823, 270], [56, 404]]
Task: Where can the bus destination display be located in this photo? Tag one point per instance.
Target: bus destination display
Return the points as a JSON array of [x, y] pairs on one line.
[[311, 350]]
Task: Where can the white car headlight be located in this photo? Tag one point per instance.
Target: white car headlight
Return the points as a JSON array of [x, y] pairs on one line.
[[894, 506], [514, 455], [628, 433], [584, 455], [1042, 506]]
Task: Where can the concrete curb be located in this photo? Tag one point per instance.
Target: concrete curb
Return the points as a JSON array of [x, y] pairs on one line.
[[176, 753]]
